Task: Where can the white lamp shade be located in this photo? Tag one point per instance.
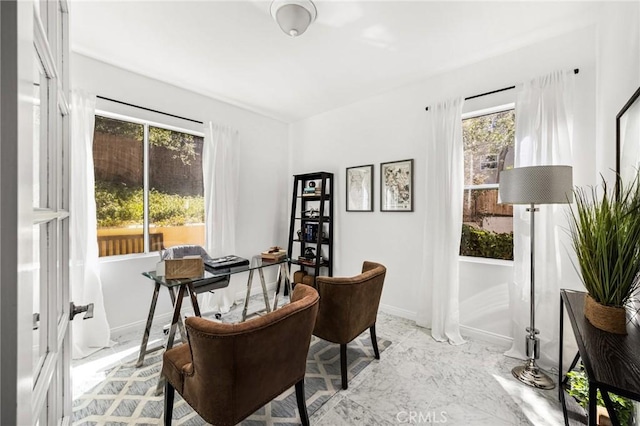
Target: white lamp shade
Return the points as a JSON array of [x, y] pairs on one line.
[[536, 185], [293, 16]]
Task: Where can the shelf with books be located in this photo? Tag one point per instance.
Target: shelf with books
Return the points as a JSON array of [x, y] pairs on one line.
[[314, 197], [311, 263], [297, 240], [325, 219], [311, 227]]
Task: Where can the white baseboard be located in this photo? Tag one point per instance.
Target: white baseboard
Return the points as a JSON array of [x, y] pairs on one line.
[[402, 313], [475, 333], [486, 336], [138, 326]]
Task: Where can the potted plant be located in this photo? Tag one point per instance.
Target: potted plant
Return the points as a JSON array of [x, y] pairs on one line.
[[605, 230], [579, 389]]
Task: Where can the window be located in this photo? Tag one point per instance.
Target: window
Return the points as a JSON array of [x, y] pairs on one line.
[[487, 227], [149, 191]]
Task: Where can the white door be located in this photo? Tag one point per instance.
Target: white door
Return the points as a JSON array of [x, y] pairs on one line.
[[34, 219]]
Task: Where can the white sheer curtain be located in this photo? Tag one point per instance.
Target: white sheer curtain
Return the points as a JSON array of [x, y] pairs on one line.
[[439, 304], [221, 171], [544, 128], [86, 286]]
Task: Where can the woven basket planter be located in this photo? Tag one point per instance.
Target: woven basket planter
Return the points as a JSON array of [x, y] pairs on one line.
[[608, 318]]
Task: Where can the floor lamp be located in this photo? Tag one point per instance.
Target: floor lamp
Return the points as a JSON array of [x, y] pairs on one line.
[[535, 185]]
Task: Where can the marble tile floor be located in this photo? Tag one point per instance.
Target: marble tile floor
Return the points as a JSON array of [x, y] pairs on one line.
[[416, 381], [421, 381]]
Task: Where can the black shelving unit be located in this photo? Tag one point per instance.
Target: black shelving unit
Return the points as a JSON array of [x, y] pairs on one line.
[[303, 222]]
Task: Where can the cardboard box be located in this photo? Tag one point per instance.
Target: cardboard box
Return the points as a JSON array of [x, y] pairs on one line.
[[273, 256], [183, 268]]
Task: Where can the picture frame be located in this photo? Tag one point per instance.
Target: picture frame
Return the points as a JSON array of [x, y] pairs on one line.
[[396, 186], [359, 188], [628, 141]]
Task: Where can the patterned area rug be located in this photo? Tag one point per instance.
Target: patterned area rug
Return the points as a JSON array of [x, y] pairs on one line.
[[126, 397]]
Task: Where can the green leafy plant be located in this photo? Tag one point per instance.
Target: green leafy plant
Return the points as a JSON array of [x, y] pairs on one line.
[[605, 230], [478, 242], [579, 389], [121, 205], [183, 145]]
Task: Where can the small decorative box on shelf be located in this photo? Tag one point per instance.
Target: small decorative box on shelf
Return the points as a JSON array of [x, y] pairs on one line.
[[184, 268]]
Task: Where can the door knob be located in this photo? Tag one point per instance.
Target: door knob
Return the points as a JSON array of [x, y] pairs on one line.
[[75, 310]]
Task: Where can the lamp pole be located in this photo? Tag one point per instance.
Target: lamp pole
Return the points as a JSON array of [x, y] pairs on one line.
[[532, 341], [529, 373], [531, 186]]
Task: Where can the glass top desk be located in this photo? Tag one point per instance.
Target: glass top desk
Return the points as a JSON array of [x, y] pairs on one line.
[[209, 281]]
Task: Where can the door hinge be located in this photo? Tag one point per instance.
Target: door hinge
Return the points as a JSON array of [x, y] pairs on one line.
[[75, 310]]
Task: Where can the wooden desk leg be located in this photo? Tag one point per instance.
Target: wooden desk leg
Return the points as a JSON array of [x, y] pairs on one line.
[[194, 300], [172, 332], [147, 329], [264, 290], [593, 402], [246, 299], [183, 333]]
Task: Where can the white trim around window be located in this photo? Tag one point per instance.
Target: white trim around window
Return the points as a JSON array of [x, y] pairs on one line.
[[147, 124], [487, 111], [151, 123]]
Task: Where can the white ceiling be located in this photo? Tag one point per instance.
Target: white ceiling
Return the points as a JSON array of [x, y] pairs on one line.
[[234, 51]]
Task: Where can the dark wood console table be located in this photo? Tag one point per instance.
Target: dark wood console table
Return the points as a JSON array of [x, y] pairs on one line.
[[611, 361]]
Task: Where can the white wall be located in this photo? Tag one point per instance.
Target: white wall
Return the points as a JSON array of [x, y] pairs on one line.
[[618, 75], [391, 127], [264, 180], [384, 128]]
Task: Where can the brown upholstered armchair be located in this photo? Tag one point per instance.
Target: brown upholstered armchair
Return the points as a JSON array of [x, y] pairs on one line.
[[348, 306], [228, 371]]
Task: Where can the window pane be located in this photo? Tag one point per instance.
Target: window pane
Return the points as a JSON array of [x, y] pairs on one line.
[[119, 166], [487, 229], [62, 272], [40, 294], [40, 142], [488, 147], [176, 195]]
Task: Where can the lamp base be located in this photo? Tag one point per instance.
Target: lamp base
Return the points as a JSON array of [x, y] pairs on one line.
[[531, 375]]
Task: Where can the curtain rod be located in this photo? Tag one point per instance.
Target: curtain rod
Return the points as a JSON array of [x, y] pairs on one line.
[[575, 71], [149, 109]]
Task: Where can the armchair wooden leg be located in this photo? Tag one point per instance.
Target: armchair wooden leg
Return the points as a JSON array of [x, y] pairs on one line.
[[169, 393], [374, 341], [302, 403], [343, 364]]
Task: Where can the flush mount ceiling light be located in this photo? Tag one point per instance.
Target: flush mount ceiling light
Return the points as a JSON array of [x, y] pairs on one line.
[[293, 16]]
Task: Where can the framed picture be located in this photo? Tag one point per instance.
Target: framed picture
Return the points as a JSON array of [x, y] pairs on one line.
[[396, 186], [360, 188]]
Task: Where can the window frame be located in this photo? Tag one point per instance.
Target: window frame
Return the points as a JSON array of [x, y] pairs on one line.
[[146, 123], [474, 114]]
